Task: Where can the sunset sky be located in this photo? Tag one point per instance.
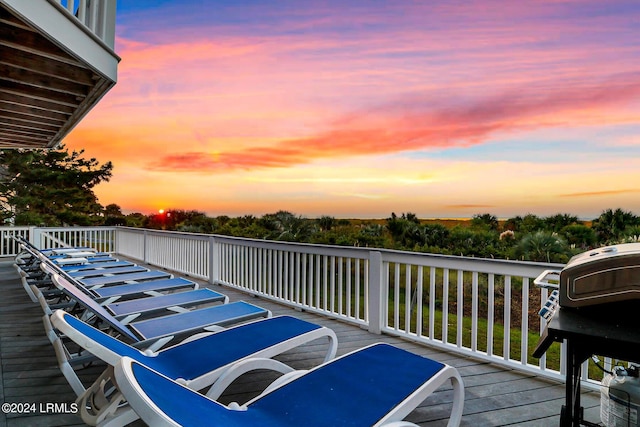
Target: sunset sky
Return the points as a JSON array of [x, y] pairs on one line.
[[360, 108]]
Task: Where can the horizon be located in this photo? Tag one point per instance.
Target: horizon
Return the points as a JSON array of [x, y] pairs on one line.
[[360, 110], [380, 218]]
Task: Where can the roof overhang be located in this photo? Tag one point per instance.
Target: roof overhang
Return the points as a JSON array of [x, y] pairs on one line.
[[53, 71]]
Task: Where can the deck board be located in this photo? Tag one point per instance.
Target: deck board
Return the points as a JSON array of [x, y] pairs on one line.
[[495, 396]]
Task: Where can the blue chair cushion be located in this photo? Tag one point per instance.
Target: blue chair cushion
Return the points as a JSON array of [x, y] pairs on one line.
[[357, 390]]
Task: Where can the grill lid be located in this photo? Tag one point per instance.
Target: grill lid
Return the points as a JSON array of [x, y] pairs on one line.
[[603, 275]]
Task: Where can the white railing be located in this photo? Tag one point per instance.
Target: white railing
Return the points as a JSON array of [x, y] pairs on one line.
[[325, 279], [480, 307], [99, 238], [8, 245], [484, 307], [99, 16]]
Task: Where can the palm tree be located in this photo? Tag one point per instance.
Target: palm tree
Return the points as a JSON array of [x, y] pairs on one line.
[[610, 225], [486, 220], [558, 221], [542, 246], [326, 222], [289, 227]]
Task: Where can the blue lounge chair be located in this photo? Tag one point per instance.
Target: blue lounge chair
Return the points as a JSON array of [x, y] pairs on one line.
[[102, 271], [73, 253], [89, 266], [157, 332], [66, 250], [196, 363], [122, 278], [99, 258], [78, 261], [375, 386], [177, 301], [109, 294], [129, 310], [106, 296]]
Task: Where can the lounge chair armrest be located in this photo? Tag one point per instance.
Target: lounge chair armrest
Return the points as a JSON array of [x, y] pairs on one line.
[[458, 397], [178, 309], [153, 345], [240, 368], [108, 300], [125, 320], [153, 293]]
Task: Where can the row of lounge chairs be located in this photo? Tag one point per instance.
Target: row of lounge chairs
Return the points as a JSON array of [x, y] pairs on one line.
[[170, 350]]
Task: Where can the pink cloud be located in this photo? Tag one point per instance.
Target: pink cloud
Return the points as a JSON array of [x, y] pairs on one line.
[[418, 123], [209, 98]]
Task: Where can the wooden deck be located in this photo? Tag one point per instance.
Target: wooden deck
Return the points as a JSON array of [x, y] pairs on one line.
[[494, 396]]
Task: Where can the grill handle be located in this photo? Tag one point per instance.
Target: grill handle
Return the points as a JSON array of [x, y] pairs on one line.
[[549, 279]]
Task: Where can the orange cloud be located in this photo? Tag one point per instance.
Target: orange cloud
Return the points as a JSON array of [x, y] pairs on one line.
[[417, 124], [601, 193]]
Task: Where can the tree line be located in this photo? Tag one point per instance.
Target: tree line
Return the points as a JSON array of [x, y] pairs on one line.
[[549, 239], [55, 188]]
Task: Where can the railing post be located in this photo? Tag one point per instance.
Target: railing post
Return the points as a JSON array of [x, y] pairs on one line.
[[144, 246], [114, 240], [35, 237], [214, 265], [376, 293]]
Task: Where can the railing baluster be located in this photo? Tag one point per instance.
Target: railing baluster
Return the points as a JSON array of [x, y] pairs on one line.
[[506, 345], [460, 307], [419, 296], [332, 284], [348, 291], [325, 270], [295, 292], [317, 286], [385, 287], [396, 296], [490, 313], [407, 299], [445, 305], [357, 291], [474, 311], [340, 285], [308, 283], [524, 331], [432, 303], [279, 271]]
